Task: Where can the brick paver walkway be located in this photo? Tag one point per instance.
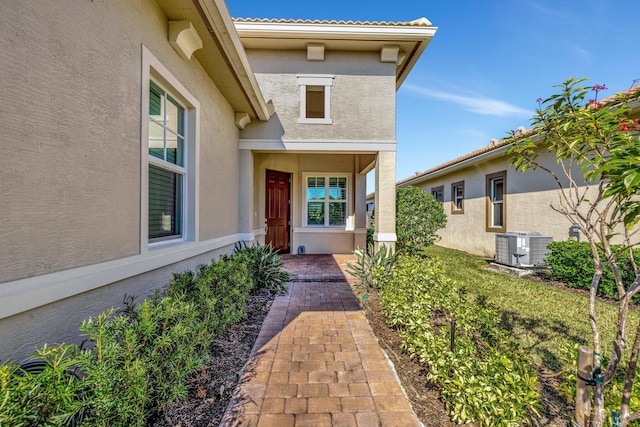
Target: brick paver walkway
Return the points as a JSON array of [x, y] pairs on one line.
[[317, 363]]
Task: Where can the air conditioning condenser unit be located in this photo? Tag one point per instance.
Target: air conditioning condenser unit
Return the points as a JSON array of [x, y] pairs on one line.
[[521, 249]]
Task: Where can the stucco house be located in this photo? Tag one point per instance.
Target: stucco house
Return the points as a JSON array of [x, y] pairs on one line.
[[147, 137], [483, 195]]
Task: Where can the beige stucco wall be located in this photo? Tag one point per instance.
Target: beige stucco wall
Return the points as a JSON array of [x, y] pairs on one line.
[[528, 198], [362, 96], [314, 239], [71, 74], [58, 323], [71, 180]]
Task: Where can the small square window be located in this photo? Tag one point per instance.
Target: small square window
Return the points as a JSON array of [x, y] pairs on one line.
[[315, 102], [315, 99]]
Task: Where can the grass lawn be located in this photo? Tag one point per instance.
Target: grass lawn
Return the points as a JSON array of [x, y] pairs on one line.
[[541, 317]]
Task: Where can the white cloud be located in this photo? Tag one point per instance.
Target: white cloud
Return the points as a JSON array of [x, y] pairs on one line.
[[475, 134], [582, 54], [476, 104]]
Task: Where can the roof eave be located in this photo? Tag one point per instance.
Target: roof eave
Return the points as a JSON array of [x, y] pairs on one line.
[[418, 35], [223, 30]]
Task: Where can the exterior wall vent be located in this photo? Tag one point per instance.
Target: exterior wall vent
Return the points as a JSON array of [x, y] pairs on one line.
[[521, 249]]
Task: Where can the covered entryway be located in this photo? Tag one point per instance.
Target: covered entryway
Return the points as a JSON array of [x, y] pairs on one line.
[[277, 215]]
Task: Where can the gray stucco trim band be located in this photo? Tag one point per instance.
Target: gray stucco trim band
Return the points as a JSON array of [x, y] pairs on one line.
[[32, 292]]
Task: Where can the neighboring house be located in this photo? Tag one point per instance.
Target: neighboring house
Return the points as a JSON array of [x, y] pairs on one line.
[[483, 195], [147, 137]]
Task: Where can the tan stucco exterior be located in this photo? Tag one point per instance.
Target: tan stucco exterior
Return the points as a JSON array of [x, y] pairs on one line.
[[71, 192], [362, 96], [75, 177]]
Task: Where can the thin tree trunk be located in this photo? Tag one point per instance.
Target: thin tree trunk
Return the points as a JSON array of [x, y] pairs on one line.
[[630, 376], [598, 394], [598, 406]]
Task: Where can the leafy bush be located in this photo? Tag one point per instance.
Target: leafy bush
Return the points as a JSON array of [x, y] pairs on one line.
[[267, 268], [142, 355], [487, 378], [571, 262], [371, 268], [42, 393], [418, 218]]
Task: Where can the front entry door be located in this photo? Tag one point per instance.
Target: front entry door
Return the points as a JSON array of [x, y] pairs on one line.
[[277, 212]]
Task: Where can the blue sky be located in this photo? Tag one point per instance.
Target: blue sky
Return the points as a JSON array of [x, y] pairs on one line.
[[487, 64]]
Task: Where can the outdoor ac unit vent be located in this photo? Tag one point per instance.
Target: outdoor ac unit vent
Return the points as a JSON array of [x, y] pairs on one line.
[[521, 249]]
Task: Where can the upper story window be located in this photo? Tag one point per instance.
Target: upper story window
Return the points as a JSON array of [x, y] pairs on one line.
[[326, 200], [496, 206], [457, 197], [438, 193], [315, 99]]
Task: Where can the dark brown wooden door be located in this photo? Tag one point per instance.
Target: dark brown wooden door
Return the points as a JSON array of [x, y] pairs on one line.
[[277, 212]]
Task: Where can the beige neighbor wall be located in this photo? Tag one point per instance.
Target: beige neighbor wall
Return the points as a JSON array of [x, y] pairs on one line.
[[529, 196], [316, 240], [71, 176]]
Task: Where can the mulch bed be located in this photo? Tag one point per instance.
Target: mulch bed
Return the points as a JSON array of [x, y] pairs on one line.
[[211, 387]]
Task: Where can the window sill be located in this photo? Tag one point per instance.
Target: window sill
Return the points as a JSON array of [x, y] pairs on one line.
[[162, 244], [496, 229], [304, 120], [323, 229]]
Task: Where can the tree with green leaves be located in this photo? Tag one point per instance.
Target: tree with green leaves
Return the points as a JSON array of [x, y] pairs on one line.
[[418, 218], [597, 148]]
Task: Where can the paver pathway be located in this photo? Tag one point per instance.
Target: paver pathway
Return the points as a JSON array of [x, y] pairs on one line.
[[317, 363]]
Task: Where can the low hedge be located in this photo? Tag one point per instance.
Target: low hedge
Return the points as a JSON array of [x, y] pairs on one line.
[[487, 378], [571, 262], [142, 355]]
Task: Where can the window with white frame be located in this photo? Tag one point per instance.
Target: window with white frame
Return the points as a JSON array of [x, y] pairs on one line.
[[457, 197], [496, 210], [315, 99], [326, 200], [167, 169]]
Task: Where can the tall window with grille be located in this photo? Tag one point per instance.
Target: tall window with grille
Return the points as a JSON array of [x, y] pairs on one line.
[[496, 201], [457, 197], [166, 164], [326, 200]]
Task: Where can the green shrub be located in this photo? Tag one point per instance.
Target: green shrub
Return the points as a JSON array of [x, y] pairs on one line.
[[418, 218], [267, 267], [571, 262], [117, 374], [143, 354], [372, 268], [487, 378], [46, 393]]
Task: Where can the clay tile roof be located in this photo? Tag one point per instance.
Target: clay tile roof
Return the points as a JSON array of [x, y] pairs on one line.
[[421, 22], [632, 92]]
